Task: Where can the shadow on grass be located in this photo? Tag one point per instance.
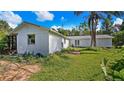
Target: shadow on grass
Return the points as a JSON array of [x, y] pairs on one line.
[[89, 49]]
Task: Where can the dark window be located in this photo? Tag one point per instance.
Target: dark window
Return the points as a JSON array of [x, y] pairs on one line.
[[62, 44], [77, 42], [31, 39]]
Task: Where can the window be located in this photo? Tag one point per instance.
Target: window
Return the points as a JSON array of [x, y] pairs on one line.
[[31, 39], [62, 44], [77, 42]]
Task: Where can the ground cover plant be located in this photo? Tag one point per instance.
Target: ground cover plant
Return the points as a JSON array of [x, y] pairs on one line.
[[66, 65]]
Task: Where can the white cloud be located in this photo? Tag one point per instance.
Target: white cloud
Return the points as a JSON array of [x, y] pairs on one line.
[[55, 27], [44, 15], [118, 21], [11, 18], [62, 18]]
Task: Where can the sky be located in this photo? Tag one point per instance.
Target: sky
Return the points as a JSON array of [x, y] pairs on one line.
[[54, 19]]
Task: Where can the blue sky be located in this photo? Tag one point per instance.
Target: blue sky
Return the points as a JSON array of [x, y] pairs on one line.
[[67, 18], [45, 18]]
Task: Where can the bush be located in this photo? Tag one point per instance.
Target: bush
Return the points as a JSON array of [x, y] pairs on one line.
[[118, 65], [91, 49], [122, 74], [118, 39], [67, 50], [118, 69], [3, 41]]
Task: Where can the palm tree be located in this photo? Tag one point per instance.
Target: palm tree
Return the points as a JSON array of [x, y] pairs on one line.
[[83, 26], [107, 24], [94, 17]]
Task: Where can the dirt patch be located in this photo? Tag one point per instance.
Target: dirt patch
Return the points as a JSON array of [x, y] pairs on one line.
[[15, 71]]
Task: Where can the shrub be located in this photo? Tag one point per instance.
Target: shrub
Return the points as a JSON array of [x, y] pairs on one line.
[[67, 50], [3, 41], [118, 65], [92, 49], [118, 69], [118, 39], [121, 74]]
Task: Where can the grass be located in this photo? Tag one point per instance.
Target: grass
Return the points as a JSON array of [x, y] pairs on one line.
[[85, 66], [65, 66]]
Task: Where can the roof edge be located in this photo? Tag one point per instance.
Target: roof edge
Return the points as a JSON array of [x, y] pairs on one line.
[[25, 22]]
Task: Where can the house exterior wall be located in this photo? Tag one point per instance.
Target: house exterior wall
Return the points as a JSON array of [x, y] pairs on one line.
[[41, 41], [85, 42], [104, 42], [100, 42], [56, 43], [82, 42], [65, 42]]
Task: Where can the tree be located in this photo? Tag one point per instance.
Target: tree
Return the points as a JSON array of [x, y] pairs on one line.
[[83, 26], [118, 39], [4, 31], [75, 31], [93, 18], [4, 26], [122, 26], [107, 23]]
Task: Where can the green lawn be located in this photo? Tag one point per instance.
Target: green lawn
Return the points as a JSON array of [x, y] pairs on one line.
[[85, 66]]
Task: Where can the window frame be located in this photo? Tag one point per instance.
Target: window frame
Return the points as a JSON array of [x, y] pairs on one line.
[[31, 39], [77, 42]]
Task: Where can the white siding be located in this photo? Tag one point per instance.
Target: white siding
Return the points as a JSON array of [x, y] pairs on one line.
[[82, 42], [41, 41], [55, 43], [100, 42], [85, 42], [104, 42], [65, 42]]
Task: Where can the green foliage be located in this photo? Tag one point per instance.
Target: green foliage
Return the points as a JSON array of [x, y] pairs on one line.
[[75, 67], [107, 25], [5, 29], [122, 26], [105, 60], [66, 66], [81, 29], [118, 65], [118, 69], [64, 32], [92, 48], [93, 19], [4, 26], [3, 40], [86, 32], [118, 39], [67, 50]]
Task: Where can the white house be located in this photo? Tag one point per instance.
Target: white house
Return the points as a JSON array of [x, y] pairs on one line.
[[85, 41], [35, 39]]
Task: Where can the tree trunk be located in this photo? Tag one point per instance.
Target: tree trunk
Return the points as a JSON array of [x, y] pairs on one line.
[[96, 22], [93, 34]]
